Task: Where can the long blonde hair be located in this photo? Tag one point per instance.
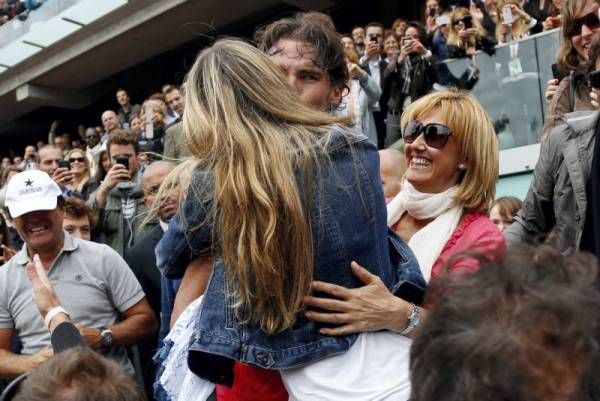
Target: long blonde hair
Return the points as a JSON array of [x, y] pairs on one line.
[[477, 143], [519, 28], [86, 174], [453, 38], [252, 133]]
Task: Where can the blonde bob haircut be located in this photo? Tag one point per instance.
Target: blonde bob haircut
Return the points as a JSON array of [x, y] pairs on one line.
[[473, 129], [252, 133], [453, 38]]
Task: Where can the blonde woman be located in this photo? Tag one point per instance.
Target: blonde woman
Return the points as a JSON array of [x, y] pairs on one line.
[[82, 182], [467, 35], [151, 137], [521, 25], [451, 154], [276, 202]]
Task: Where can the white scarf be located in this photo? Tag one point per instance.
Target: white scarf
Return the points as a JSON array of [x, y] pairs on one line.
[[428, 242]]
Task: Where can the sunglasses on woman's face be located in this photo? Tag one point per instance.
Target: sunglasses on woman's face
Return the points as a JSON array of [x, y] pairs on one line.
[[591, 21], [77, 159], [436, 135]]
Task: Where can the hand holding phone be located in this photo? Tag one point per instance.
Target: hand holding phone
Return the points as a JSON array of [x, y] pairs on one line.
[[507, 16]]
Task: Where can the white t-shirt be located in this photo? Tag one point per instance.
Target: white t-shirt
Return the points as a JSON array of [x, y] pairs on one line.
[[375, 368]]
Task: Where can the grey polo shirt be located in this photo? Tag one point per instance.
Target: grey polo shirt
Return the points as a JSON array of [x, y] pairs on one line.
[[92, 282]]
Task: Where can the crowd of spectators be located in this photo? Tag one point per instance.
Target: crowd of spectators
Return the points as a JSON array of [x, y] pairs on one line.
[[20, 9], [123, 231]]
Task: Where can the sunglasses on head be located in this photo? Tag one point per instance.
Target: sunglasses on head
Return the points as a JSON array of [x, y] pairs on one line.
[[76, 159], [436, 135], [591, 21]]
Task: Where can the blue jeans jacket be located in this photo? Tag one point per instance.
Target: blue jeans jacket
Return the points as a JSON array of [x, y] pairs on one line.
[[348, 215]]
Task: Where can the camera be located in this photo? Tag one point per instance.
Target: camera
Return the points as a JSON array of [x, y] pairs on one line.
[[468, 21], [124, 160], [406, 40], [64, 164], [432, 12], [373, 38], [595, 79]]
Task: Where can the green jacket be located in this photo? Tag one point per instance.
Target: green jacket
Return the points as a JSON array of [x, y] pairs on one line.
[[111, 222]]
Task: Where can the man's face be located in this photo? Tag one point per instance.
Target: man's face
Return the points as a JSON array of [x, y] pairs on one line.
[[5, 162], [30, 152], [358, 35], [122, 98], [91, 137], [127, 151], [309, 81], [375, 32], [78, 227], [109, 120], [175, 101], [17, 160], [41, 230], [151, 183], [49, 158]]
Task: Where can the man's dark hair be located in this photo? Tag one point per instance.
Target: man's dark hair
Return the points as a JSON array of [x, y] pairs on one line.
[[526, 328], [76, 208], [375, 24], [317, 29], [169, 88], [122, 90], [121, 137], [78, 374]]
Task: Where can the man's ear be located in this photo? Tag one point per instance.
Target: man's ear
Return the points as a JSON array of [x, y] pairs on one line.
[[335, 97]]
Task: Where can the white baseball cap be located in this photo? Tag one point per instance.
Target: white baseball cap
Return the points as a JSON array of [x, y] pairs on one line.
[[29, 191]]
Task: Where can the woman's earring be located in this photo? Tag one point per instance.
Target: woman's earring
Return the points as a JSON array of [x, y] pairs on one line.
[[462, 166]]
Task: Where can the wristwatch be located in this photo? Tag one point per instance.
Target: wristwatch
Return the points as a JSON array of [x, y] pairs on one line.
[[414, 319], [106, 338]]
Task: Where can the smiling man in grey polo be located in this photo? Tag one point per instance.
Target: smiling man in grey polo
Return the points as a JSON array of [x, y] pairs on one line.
[[93, 282]]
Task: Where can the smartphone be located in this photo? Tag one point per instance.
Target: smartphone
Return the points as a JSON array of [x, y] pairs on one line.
[[406, 40], [507, 17], [124, 160], [468, 21], [64, 164], [595, 79], [557, 73], [432, 12]]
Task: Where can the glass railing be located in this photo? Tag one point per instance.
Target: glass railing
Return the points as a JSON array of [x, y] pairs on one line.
[[511, 86], [15, 28]]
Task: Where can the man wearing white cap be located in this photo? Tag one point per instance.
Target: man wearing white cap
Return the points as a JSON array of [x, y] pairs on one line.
[[93, 282]]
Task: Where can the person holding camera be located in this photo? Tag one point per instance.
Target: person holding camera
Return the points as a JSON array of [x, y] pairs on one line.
[[467, 35], [410, 75], [119, 199], [564, 195], [374, 64], [516, 23], [432, 11]]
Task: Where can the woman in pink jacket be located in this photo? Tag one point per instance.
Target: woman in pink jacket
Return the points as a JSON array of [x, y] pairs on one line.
[[451, 154]]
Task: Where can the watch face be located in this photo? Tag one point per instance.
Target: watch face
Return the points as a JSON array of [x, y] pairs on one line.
[[107, 338]]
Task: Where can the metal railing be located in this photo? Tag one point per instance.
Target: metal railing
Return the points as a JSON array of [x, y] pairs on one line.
[[511, 86]]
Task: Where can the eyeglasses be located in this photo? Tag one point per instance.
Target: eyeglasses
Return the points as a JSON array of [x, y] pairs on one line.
[[462, 19], [436, 135], [77, 159], [590, 20]]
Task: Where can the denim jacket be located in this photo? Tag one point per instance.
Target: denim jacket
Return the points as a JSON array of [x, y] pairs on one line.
[[348, 215]]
